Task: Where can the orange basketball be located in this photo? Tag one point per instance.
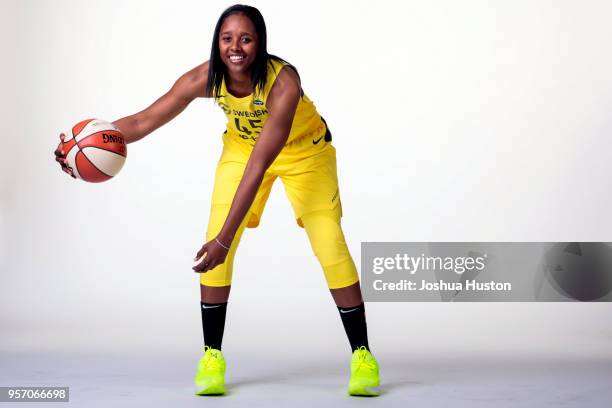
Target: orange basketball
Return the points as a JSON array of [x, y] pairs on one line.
[[95, 150]]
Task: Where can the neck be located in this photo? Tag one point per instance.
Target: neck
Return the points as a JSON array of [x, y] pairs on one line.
[[239, 86], [240, 81]]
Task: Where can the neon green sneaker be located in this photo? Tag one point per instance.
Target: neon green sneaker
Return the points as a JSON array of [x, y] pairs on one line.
[[364, 373], [210, 378]]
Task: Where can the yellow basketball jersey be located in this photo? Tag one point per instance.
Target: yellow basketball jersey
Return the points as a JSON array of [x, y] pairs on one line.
[[246, 116]]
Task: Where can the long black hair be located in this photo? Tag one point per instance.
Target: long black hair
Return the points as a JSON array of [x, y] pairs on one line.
[[259, 70]]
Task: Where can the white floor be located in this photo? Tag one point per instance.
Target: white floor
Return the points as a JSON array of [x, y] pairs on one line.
[[113, 380]]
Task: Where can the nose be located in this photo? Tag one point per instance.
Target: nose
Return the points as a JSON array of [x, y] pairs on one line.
[[235, 46]]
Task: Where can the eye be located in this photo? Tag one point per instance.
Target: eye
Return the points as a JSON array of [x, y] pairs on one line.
[[246, 40], [226, 38]]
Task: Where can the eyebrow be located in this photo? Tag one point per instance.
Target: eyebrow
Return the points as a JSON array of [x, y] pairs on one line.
[[243, 33]]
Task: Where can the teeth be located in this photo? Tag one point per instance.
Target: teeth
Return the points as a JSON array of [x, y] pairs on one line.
[[236, 57]]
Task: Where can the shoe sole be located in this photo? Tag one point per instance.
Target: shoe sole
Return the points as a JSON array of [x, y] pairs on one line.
[[363, 392], [216, 389], [364, 389]]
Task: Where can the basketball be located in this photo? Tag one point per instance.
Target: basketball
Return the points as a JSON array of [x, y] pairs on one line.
[[95, 150]]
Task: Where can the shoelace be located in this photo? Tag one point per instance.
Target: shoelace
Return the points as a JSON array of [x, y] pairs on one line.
[[213, 361], [362, 353]]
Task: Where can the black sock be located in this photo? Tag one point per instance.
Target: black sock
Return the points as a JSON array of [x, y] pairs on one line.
[[213, 323], [354, 321]]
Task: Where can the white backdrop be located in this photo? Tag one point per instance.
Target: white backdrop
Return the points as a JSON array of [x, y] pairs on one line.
[[453, 121]]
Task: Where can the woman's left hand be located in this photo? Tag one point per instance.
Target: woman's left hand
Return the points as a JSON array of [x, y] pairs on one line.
[[215, 255]]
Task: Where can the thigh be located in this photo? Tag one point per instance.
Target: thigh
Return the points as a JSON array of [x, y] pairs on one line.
[[227, 178], [311, 183]]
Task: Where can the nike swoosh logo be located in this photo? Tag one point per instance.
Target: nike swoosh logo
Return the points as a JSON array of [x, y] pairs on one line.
[[318, 140], [346, 311], [210, 307]]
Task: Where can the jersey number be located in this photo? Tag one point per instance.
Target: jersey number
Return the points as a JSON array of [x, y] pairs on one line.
[[251, 131]]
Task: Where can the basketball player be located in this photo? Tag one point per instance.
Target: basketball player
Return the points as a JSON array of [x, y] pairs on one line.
[[273, 131]]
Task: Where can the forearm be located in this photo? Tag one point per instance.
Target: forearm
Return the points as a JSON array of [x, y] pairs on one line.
[[243, 199], [130, 128]]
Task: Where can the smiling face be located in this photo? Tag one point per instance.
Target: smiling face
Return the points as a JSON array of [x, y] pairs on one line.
[[238, 44]]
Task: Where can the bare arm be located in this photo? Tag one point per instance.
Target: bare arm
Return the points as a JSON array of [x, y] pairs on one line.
[[189, 86], [282, 103]]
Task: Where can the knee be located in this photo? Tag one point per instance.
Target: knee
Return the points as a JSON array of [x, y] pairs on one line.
[[214, 294], [328, 244], [326, 237]]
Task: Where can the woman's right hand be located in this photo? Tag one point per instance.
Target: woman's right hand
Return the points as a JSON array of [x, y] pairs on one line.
[[60, 157]]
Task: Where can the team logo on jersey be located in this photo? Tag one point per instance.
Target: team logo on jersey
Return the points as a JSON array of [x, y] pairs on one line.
[[258, 102]]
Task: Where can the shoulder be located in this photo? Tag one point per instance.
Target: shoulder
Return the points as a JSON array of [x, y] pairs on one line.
[[287, 83], [288, 76]]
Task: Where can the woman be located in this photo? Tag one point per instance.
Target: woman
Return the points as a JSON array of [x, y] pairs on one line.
[[273, 130]]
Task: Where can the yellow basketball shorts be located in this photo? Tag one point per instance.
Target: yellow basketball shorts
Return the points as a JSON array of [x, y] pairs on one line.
[[310, 180]]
